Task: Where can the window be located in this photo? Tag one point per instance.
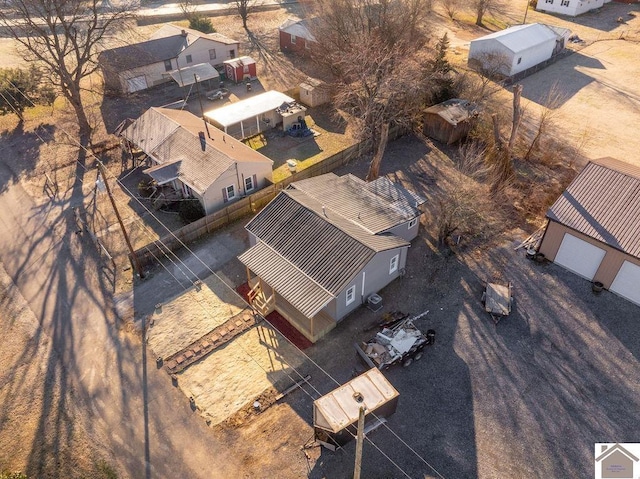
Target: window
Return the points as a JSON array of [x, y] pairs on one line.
[[549, 1], [413, 222], [189, 59], [167, 65], [228, 193], [232, 53], [519, 60], [393, 266], [293, 39], [212, 54], [351, 295], [564, 3], [250, 183]]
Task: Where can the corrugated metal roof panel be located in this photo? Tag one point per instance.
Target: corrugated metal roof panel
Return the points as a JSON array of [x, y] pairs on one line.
[[603, 202], [290, 282], [248, 109], [521, 37], [376, 206]]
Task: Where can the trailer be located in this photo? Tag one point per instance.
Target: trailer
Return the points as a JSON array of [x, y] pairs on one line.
[[401, 343]]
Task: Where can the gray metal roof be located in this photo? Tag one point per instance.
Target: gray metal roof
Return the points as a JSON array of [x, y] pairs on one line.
[[140, 54], [521, 37], [292, 284], [603, 202], [169, 30], [376, 206], [454, 110], [170, 136]]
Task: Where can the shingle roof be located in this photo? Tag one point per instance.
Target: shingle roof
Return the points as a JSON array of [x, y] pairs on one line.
[[376, 206], [603, 202], [144, 53], [521, 37], [308, 252], [192, 35], [173, 135]]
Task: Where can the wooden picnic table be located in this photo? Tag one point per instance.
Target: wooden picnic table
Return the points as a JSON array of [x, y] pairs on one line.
[[497, 299]]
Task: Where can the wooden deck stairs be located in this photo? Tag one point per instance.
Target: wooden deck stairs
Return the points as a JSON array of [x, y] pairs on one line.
[[259, 300]]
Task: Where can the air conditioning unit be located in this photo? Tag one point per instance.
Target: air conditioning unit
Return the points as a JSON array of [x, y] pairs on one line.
[[374, 302]]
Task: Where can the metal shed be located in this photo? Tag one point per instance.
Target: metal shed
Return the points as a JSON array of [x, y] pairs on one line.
[[335, 415]]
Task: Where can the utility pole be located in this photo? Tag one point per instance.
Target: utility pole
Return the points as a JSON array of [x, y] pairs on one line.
[[359, 444], [134, 258], [525, 13]]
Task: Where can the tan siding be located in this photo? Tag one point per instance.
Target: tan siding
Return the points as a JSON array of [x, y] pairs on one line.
[[611, 262]]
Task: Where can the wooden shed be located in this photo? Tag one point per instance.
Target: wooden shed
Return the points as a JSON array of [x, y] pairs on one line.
[[335, 415], [593, 227], [314, 92], [449, 121]]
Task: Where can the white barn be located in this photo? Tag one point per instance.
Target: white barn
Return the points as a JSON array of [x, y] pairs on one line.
[[515, 49], [572, 8]]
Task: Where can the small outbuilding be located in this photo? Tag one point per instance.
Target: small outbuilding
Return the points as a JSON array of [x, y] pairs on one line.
[[335, 415], [314, 92], [449, 121], [515, 49], [593, 229], [295, 36], [240, 69]]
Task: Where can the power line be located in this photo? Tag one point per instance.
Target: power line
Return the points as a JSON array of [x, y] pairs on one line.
[[207, 267]]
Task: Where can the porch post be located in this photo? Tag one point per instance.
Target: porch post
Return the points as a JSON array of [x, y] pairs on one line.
[[312, 335], [248, 276], [242, 129]]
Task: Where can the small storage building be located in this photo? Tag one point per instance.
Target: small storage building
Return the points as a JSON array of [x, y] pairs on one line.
[[449, 121], [314, 92], [335, 415], [594, 227], [240, 69]]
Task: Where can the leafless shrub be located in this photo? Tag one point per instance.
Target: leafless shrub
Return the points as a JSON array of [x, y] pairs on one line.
[[472, 160], [451, 7], [553, 100]]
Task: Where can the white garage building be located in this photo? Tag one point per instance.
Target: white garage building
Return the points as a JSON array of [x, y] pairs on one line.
[[569, 7], [515, 49], [594, 227]]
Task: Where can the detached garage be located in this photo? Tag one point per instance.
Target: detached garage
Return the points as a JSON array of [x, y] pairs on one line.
[[594, 227]]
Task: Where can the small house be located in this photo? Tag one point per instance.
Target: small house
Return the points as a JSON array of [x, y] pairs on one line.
[[139, 66], [196, 161], [296, 37], [314, 92], [515, 49], [568, 7], [592, 229], [323, 246], [253, 115], [335, 415], [240, 69], [449, 121]]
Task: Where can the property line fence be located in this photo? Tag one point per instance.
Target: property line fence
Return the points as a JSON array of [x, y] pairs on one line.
[[248, 205]]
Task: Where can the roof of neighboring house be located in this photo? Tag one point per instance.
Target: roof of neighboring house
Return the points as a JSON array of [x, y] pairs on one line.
[[521, 37], [454, 111], [172, 137], [141, 54], [298, 28], [375, 206], [249, 108], [240, 61], [307, 251], [187, 76], [192, 35], [603, 202]]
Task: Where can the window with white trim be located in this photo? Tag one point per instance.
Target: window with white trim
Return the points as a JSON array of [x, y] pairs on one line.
[[564, 3], [393, 265], [549, 1], [351, 295], [248, 183], [293, 39], [413, 222], [231, 192]]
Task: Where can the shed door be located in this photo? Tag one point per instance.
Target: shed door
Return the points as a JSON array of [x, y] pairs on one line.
[[579, 256], [627, 282], [137, 83]]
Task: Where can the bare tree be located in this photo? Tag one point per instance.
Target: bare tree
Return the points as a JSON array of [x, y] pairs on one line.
[[554, 99], [245, 7], [483, 6], [62, 37], [373, 50], [451, 7]]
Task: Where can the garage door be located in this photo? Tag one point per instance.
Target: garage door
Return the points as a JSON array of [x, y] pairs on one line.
[[579, 256], [627, 282], [137, 83]]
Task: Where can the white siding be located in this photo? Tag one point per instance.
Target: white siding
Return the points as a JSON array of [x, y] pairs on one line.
[[199, 51], [574, 8]]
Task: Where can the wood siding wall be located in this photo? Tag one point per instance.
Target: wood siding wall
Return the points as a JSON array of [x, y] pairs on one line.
[[611, 262]]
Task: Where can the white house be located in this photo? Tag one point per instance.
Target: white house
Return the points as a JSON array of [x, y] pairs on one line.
[[197, 161], [569, 7], [138, 66], [515, 49]]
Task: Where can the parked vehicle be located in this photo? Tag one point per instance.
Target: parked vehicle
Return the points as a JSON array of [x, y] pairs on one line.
[[217, 94]]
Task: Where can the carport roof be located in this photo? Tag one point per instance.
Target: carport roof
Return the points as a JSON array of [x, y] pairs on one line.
[[603, 202], [188, 75], [250, 108]]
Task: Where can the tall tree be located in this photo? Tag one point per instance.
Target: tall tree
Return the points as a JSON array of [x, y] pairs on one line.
[[245, 7], [62, 36], [373, 50], [483, 6]]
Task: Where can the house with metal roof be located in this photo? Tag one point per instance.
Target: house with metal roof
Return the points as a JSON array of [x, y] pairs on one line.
[[515, 49], [195, 160], [171, 49], [296, 37], [593, 229], [323, 246]]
